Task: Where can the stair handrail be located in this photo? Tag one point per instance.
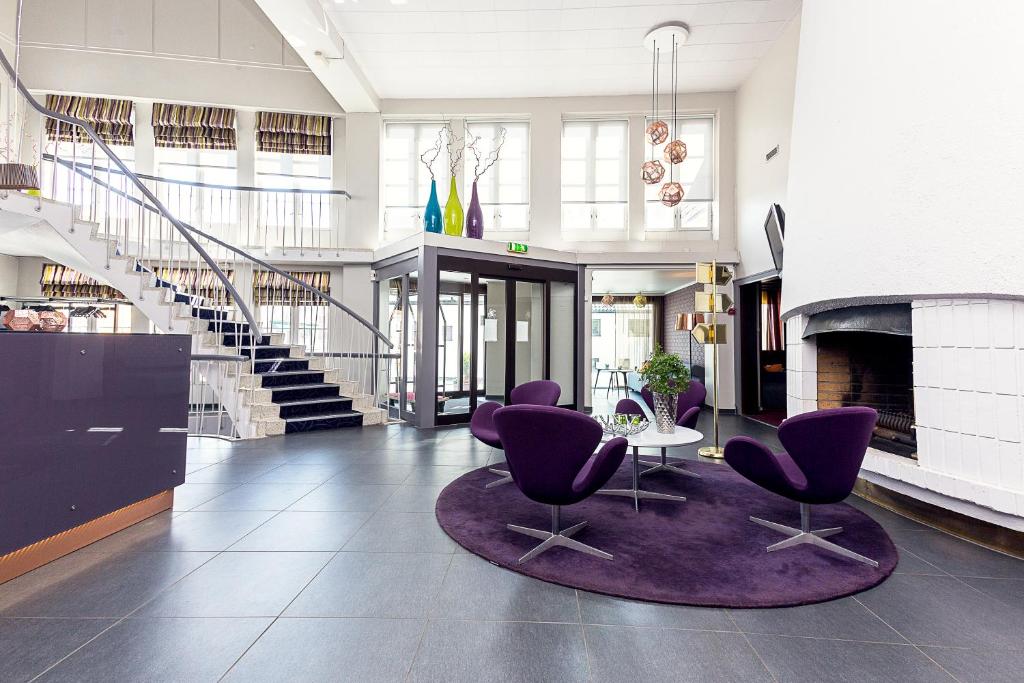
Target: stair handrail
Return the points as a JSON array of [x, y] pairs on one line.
[[79, 169], [157, 204]]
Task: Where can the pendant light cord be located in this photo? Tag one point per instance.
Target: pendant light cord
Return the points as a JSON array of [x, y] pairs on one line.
[[675, 122], [14, 93]]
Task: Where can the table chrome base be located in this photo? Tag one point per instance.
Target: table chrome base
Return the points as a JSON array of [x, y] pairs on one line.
[[666, 466], [805, 535], [506, 477], [639, 494], [556, 538]]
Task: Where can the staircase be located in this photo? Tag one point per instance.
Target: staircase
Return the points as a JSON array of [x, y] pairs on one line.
[[114, 228]]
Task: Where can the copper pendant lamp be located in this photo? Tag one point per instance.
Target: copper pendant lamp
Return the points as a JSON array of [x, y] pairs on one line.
[[15, 175]]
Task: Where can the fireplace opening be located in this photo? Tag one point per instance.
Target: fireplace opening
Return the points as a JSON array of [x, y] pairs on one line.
[[876, 370]]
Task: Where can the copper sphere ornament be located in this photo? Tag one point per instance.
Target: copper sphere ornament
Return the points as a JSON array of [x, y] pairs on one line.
[[608, 299], [675, 152], [52, 321], [671, 193], [21, 321], [652, 172], [657, 132]]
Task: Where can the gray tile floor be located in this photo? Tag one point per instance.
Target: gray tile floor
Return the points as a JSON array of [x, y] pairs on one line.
[[316, 557]]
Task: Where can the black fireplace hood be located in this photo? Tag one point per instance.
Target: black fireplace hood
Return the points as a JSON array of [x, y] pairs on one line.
[[877, 318]]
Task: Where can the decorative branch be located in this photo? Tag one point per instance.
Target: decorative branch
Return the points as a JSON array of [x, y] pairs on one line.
[[456, 148], [433, 152], [490, 158]]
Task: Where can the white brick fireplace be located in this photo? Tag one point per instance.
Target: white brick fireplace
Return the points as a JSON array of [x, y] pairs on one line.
[[969, 406]]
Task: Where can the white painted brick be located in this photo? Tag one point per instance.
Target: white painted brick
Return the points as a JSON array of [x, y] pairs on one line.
[[808, 406], [926, 333], [953, 449], [793, 357], [946, 332], [1018, 324], [966, 369], [1011, 466], [980, 323], [930, 448], [950, 360], [809, 384], [918, 371], [970, 457], [809, 355], [985, 409], [951, 413], [1001, 320], [982, 366], [933, 367], [1003, 501], [925, 407], [1007, 418], [793, 386], [988, 456], [916, 324], [1004, 371], [964, 337], [792, 406]]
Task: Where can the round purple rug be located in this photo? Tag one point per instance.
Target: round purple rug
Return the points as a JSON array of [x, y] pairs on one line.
[[704, 551]]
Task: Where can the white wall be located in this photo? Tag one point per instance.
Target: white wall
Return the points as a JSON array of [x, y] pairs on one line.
[[545, 116], [9, 266], [217, 52], [764, 119], [907, 151]]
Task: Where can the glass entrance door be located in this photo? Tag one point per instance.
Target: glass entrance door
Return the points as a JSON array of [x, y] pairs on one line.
[[495, 333]]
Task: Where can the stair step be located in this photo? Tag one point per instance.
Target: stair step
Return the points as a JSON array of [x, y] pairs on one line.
[[291, 378], [318, 422], [208, 313], [316, 406], [264, 352], [305, 391], [280, 364], [227, 327], [246, 340]]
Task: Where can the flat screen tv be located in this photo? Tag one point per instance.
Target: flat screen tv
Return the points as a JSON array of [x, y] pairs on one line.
[[775, 229]]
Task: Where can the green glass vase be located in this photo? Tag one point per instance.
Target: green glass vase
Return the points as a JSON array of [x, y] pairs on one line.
[[453, 215]]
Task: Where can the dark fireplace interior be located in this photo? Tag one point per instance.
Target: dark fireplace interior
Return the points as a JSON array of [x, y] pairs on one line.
[[875, 370]]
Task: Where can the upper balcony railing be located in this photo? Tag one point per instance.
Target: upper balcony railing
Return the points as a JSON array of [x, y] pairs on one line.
[[280, 221]]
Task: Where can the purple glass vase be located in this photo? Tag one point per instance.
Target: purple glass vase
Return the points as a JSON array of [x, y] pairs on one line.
[[475, 217]]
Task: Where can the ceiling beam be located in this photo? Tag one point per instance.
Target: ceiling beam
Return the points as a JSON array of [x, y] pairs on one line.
[[312, 34]]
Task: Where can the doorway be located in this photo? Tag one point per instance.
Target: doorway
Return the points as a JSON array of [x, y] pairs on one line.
[[762, 351], [496, 331]]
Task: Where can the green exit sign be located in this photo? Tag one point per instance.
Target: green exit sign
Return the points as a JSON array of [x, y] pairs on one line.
[[517, 248]]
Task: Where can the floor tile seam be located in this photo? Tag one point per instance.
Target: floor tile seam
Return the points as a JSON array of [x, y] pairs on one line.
[[124, 618], [877, 616], [746, 639], [910, 552], [426, 621], [583, 634], [936, 663], [193, 508], [842, 640]]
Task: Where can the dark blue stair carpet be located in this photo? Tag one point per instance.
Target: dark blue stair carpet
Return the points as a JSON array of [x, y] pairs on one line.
[[305, 391], [312, 424], [310, 407], [290, 379]]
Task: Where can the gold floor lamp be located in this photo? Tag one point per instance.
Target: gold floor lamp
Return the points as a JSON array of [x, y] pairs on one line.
[[709, 300]]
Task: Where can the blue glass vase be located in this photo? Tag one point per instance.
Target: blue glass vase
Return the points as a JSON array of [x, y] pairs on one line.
[[433, 220]]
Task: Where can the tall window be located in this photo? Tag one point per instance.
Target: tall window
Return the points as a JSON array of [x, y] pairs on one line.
[[696, 174], [294, 171], [209, 208], [594, 173], [406, 180], [622, 335], [212, 166], [505, 188]]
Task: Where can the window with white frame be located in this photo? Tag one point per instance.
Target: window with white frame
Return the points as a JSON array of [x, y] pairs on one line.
[[505, 188], [210, 207], [406, 180], [293, 171], [696, 174], [309, 210], [594, 176]]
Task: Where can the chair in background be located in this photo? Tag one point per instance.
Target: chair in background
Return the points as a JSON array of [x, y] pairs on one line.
[[824, 452], [550, 453], [688, 407], [541, 392]]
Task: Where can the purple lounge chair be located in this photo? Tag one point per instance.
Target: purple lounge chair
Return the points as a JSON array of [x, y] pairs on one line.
[[541, 392], [550, 453], [824, 451]]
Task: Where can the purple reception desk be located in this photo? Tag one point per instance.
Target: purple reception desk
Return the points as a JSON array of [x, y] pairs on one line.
[[93, 437]]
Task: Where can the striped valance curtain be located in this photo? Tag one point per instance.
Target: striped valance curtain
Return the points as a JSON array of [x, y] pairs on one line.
[[201, 282], [293, 133], [112, 119], [193, 127], [63, 282], [271, 289]]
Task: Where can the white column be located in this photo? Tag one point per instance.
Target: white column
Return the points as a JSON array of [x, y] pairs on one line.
[[362, 157], [634, 183], [245, 123], [145, 147], [546, 178]]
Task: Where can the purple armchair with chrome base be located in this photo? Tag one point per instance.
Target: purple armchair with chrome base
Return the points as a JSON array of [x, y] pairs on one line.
[[541, 392], [824, 451], [550, 453]]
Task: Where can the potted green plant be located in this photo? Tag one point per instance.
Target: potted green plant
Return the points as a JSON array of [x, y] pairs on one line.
[[667, 376]]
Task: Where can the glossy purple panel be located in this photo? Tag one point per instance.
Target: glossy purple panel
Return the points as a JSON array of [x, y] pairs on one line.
[[88, 426]]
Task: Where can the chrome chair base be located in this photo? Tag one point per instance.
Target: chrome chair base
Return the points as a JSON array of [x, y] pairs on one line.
[[807, 536], [506, 477], [666, 466], [556, 538]]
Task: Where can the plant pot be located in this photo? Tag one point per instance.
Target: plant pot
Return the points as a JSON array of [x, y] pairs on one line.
[[433, 221], [475, 217], [665, 412]]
